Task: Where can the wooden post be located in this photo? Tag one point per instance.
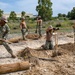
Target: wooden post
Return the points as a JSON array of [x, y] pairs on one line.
[[8, 68], [56, 41], [74, 32], [55, 52], [74, 35]]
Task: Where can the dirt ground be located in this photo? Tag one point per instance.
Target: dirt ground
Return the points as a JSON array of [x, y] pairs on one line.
[[42, 62], [45, 64]]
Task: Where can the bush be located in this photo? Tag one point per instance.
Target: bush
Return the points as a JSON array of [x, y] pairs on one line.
[[58, 25]]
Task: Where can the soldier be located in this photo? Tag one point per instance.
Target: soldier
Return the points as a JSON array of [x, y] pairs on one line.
[[39, 25], [49, 43], [23, 27], [4, 30], [74, 32]]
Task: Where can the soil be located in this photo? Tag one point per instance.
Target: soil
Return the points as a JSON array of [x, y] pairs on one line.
[[45, 64], [32, 36], [42, 61]]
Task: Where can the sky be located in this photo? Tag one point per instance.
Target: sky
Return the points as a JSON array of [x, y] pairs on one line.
[[29, 6]]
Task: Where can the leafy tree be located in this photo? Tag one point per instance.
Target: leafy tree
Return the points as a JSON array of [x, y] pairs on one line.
[[12, 15], [44, 9], [23, 14], [64, 15], [59, 15], [71, 14], [1, 12]]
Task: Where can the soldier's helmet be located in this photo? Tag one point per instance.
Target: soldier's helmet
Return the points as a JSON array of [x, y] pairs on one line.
[[4, 18]]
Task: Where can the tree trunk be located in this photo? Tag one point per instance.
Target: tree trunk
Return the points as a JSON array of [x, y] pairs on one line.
[[8, 68]]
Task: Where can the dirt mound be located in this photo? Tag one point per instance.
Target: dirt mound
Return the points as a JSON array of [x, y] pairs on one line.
[[28, 53], [62, 65], [62, 50], [32, 36], [70, 36], [69, 46], [15, 40]]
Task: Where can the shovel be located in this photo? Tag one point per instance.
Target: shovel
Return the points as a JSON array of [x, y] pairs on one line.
[[55, 52], [74, 35]]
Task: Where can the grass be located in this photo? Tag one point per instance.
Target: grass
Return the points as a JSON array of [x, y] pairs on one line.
[[66, 26]]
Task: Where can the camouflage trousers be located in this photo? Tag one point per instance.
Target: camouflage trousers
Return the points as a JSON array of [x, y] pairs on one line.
[[39, 29], [5, 36], [7, 47], [23, 33], [49, 45]]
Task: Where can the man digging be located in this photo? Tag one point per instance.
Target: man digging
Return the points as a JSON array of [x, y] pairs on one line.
[[4, 30], [49, 43], [39, 26], [23, 28]]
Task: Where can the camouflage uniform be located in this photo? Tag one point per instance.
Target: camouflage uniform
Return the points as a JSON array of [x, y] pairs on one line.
[[49, 45], [39, 28], [39, 25], [23, 27], [23, 33], [4, 30]]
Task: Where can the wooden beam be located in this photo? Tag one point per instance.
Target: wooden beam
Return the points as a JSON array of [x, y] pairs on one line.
[[14, 67]]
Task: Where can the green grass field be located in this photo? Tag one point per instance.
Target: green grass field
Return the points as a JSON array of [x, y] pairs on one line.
[[66, 26]]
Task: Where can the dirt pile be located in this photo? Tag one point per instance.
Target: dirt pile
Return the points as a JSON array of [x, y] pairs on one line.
[[15, 40], [28, 53], [32, 36], [70, 36], [69, 46], [60, 65]]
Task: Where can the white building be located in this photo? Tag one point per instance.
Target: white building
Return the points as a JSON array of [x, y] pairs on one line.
[[19, 15]]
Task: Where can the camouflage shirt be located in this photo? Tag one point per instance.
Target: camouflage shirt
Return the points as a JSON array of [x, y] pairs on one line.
[[4, 30]]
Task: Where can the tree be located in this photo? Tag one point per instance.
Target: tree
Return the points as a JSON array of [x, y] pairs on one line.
[[23, 14], [1, 12], [64, 15], [59, 15], [71, 14], [44, 9], [12, 15]]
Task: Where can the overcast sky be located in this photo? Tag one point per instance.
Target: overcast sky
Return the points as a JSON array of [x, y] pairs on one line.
[[29, 6]]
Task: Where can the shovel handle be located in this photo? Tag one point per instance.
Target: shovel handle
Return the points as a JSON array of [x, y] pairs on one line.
[[56, 41]]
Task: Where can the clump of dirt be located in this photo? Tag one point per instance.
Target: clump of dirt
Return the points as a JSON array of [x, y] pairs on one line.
[[68, 47], [33, 54], [25, 53], [70, 36], [32, 36], [15, 40], [62, 64]]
